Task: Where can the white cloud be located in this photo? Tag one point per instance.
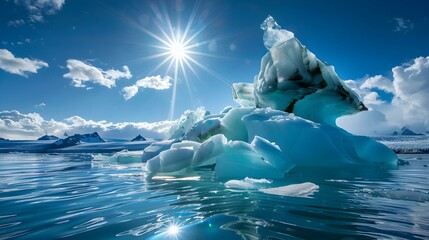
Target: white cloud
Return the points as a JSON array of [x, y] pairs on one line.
[[16, 125], [16, 23], [403, 25], [154, 82], [38, 8], [372, 98], [378, 82], [40, 105], [81, 72], [408, 107], [20, 66]]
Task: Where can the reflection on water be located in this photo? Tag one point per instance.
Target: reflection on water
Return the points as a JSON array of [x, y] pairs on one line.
[[57, 196]]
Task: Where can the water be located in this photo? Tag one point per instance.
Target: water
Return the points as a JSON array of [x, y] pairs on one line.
[[70, 196]]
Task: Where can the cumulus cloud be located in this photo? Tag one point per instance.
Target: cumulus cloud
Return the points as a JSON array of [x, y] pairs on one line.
[[408, 107], [16, 23], [154, 82], [403, 25], [20, 66], [38, 8], [16, 125], [378, 82], [81, 73]]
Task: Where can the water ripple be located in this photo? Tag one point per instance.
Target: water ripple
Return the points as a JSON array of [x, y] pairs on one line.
[[68, 196]]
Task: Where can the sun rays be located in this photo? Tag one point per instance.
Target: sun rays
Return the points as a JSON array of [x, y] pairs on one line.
[[179, 50]]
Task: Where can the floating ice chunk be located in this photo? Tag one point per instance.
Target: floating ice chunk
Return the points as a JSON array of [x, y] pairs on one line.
[[294, 190], [155, 148], [122, 157], [273, 33], [248, 183], [272, 154], [209, 149], [239, 160]]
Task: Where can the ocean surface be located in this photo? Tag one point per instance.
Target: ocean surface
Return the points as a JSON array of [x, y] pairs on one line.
[[71, 196]]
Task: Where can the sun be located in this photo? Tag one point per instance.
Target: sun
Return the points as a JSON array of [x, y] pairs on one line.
[[178, 51]]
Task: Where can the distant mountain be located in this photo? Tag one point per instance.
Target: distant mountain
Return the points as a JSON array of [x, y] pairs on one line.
[[406, 132], [48, 137], [3, 139], [138, 138], [79, 138]]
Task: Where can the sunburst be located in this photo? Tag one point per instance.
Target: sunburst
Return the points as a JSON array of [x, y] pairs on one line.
[[178, 50]]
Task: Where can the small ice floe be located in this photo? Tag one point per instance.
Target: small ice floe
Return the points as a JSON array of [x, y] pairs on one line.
[[248, 183], [294, 190]]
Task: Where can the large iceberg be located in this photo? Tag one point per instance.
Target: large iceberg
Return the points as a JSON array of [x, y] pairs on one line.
[[286, 119], [292, 79]]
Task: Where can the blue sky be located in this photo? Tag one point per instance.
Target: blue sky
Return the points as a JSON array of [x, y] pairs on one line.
[[360, 38]]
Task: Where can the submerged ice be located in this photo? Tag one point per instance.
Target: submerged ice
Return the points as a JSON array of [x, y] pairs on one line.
[[286, 118]]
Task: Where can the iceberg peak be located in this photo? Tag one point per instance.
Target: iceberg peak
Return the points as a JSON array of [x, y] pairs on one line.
[[273, 33]]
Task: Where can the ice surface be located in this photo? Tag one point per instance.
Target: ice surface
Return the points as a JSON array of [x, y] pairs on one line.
[[292, 79], [186, 122], [272, 154], [293, 190], [248, 183], [314, 144], [267, 143], [155, 149], [243, 94], [406, 144], [122, 157], [239, 160], [171, 160], [209, 149], [273, 33]]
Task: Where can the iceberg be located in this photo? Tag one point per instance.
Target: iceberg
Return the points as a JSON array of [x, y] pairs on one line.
[[292, 79], [286, 119]]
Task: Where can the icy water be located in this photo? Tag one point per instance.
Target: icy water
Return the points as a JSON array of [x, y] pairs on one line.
[[70, 196]]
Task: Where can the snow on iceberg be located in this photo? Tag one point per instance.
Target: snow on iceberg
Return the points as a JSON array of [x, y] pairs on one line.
[[292, 79], [286, 119]]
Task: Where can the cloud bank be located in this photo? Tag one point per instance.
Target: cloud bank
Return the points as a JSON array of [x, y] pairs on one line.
[[408, 106], [20, 66], [81, 73], [154, 82], [30, 126]]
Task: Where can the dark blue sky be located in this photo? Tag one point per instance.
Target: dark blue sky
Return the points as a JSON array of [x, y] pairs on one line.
[[358, 37]]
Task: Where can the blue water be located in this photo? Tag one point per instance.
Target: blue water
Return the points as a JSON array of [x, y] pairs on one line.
[[73, 197]]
